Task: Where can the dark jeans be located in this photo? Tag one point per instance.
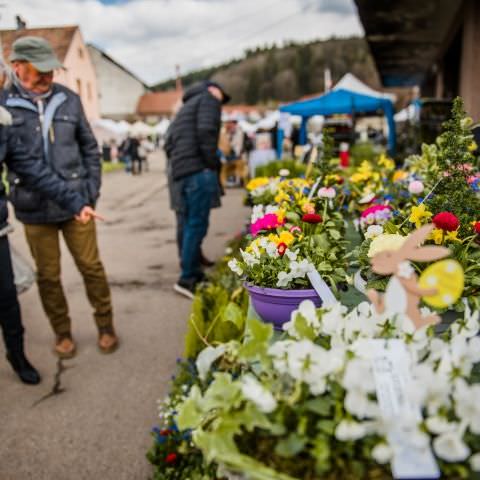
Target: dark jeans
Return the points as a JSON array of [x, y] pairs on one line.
[[198, 191], [10, 319]]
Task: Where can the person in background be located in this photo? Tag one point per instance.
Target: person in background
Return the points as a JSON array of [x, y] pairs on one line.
[[49, 120], [193, 164], [39, 177]]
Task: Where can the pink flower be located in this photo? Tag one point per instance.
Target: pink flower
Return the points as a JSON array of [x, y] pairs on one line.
[[416, 187], [375, 209], [327, 192], [267, 222], [295, 228]]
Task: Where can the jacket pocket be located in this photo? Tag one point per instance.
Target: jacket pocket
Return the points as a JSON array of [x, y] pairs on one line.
[[24, 199], [64, 127]]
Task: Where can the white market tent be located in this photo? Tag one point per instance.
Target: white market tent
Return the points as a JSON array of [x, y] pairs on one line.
[[141, 128], [162, 126]]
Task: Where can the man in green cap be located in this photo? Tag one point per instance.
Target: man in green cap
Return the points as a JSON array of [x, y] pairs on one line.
[[50, 120]]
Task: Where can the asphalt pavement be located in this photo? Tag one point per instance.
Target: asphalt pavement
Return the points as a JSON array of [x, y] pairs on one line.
[[95, 422]]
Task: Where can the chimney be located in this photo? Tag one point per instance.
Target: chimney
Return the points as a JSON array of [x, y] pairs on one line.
[[21, 23], [178, 82]]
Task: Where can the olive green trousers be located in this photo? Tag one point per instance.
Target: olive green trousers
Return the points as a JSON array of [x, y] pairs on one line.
[[81, 241]]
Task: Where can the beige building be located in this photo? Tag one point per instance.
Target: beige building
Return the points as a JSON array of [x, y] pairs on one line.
[[79, 74], [119, 90]]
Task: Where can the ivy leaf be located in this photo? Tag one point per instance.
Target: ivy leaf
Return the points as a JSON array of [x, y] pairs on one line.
[[223, 393], [290, 446], [303, 328], [234, 314], [258, 335], [190, 415], [320, 405]]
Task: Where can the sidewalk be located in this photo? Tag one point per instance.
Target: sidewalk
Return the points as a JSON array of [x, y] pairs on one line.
[[98, 428]]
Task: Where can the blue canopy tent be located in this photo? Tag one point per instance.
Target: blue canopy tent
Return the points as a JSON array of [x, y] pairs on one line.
[[349, 96]]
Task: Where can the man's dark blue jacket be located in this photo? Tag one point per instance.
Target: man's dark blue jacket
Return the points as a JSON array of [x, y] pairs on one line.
[[35, 173], [59, 137]]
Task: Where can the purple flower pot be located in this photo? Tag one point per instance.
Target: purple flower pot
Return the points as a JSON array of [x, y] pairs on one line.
[[274, 305]]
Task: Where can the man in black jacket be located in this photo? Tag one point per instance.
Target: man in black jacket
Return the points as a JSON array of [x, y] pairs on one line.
[[191, 147], [39, 177], [49, 119]]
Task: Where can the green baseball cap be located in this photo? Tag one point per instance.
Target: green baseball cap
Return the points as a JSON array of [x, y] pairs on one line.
[[37, 51]]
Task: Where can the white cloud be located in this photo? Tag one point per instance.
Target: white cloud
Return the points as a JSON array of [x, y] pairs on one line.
[[151, 36]]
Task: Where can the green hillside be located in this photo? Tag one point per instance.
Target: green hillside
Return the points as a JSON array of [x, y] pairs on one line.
[[272, 74]]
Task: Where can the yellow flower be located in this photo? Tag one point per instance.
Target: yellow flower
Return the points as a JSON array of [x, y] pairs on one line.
[[281, 197], [255, 183], [473, 146], [274, 238], [418, 213], [281, 212], [437, 236], [308, 208], [385, 241], [286, 237], [399, 175], [386, 162], [453, 236]]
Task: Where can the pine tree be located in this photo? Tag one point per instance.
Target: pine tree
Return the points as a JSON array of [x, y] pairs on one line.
[[253, 87], [452, 192]]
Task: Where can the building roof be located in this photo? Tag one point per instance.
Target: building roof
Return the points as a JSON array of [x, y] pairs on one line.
[[159, 103], [407, 37], [59, 37], [110, 59]]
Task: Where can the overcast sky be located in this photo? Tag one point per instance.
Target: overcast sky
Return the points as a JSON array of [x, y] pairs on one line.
[[150, 37]]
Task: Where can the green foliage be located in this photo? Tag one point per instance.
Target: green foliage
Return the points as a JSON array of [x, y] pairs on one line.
[[288, 72], [452, 192], [272, 169]]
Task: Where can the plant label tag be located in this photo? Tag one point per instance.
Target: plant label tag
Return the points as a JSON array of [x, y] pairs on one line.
[[322, 289], [412, 456]]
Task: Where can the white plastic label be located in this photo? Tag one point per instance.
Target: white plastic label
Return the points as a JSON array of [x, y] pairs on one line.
[[391, 367], [322, 289]]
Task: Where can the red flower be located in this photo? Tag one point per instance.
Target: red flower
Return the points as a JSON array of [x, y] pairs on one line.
[[165, 433], [282, 248], [171, 458], [477, 228], [312, 218], [446, 221]]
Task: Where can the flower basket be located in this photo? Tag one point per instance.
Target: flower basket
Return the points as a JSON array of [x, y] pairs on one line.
[[275, 305]]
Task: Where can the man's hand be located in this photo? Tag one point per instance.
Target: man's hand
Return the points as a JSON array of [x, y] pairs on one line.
[[87, 213]]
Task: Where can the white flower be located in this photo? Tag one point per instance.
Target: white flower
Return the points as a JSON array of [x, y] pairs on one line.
[[291, 255], [308, 311], [284, 172], [300, 269], [327, 192], [358, 404], [206, 357], [359, 376], [475, 462], [279, 352], [228, 251], [254, 391], [271, 249], [271, 209], [348, 430], [257, 213], [373, 231], [235, 266], [382, 453], [439, 425], [467, 404], [284, 279], [249, 258], [451, 447]]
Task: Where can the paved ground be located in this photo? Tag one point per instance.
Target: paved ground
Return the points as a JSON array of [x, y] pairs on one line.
[[99, 427]]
